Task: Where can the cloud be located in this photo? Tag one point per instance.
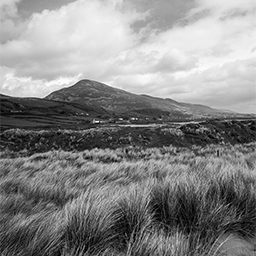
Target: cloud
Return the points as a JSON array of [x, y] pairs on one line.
[[163, 14], [11, 24], [80, 37], [205, 58], [8, 8], [223, 7], [217, 53], [228, 86], [176, 60], [225, 86], [25, 86]]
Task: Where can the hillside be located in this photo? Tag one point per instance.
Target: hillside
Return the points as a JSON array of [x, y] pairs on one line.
[[38, 113], [119, 101]]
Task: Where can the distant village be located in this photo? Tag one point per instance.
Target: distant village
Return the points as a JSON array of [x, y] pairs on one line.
[[144, 119], [116, 120]]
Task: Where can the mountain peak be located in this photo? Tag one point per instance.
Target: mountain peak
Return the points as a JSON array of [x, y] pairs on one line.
[[90, 83], [87, 84], [88, 91]]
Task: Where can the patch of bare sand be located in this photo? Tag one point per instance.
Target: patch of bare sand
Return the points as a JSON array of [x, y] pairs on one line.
[[231, 244]]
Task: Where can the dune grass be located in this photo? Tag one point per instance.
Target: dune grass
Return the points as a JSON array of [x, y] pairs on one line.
[[126, 202]]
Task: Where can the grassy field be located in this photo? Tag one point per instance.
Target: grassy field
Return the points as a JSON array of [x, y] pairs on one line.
[[127, 202]]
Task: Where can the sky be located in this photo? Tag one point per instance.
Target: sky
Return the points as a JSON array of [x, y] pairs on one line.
[[195, 51]]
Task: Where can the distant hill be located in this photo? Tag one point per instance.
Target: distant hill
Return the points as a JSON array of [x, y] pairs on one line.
[[45, 107], [119, 101], [16, 112], [4, 96]]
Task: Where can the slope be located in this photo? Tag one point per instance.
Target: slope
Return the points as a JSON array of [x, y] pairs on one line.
[[120, 101]]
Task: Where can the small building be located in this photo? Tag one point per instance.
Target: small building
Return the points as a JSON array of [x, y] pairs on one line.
[[94, 121]]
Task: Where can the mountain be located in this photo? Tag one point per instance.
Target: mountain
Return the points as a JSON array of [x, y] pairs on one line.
[[118, 101]]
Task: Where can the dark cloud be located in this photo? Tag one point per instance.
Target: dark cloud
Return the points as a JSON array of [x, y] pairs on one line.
[[174, 61], [27, 7], [163, 14]]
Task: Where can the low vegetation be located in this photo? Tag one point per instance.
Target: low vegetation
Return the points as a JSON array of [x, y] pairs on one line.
[[126, 202], [175, 134]]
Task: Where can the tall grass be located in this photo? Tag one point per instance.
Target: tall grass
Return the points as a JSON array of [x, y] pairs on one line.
[[145, 202]]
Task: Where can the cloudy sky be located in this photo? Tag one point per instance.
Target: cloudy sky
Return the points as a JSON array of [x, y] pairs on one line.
[[197, 51]]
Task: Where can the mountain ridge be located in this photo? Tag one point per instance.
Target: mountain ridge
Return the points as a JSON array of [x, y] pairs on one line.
[[121, 102]]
